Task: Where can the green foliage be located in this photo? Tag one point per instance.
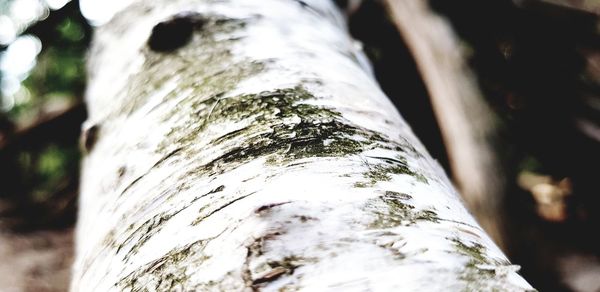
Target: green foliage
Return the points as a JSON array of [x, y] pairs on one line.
[[46, 171]]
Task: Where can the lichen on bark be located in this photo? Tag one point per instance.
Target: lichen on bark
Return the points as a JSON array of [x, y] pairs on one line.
[[391, 210], [260, 154], [168, 273]]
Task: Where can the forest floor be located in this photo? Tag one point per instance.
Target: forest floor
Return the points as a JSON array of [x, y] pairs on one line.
[[36, 260]]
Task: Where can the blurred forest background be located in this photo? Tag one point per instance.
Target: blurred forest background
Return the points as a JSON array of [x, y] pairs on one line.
[[42, 79], [536, 62]]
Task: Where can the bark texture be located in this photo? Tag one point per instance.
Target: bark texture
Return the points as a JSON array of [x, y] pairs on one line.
[[256, 152]]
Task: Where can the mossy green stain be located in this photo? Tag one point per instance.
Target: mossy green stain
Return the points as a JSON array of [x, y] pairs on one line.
[[479, 272], [200, 103], [264, 106], [391, 210], [283, 125], [270, 117], [169, 272], [398, 195], [300, 140], [475, 252], [383, 172]]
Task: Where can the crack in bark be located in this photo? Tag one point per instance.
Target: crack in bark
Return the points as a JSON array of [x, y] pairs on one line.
[[269, 206], [197, 221], [271, 275], [154, 224], [246, 273], [156, 164]]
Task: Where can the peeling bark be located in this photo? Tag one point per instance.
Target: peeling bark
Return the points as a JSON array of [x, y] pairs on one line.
[[260, 154]]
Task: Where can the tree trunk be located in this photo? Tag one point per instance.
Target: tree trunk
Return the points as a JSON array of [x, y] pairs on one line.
[[244, 145]]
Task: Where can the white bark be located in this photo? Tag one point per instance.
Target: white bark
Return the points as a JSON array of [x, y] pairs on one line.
[[262, 155]]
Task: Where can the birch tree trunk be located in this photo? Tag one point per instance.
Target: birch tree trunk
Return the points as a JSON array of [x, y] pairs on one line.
[[244, 145]]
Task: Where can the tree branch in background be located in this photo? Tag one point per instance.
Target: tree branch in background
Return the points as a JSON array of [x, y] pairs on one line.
[[592, 6], [466, 121], [60, 126]]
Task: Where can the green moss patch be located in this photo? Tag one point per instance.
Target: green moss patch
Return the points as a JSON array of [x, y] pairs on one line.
[[479, 273], [391, 210], [384, 171]]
